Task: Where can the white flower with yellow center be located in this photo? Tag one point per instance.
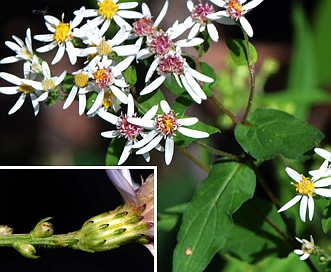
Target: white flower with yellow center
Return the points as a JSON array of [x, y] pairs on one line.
[[61, 37], [106, 76], [22, 49], [234, 11], [100, 47], [307, 248], [23, 88], [165, 126], [81, 87], [307, 189], [111, 10], [48, 83]]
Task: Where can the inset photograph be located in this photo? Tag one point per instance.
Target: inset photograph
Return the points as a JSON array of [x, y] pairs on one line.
[[77, 218]]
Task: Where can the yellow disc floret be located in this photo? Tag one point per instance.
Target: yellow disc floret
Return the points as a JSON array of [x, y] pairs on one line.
[[235, 9], [305, 186], [48, 84], [107, 9], [107, 101], [104, 48], [24, 88], [81, 80], [62, 33]]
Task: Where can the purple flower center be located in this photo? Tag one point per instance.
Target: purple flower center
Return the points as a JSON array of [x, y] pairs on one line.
[[143, 27], [171, 64], [160, 43], [128, 130], [201, 11]]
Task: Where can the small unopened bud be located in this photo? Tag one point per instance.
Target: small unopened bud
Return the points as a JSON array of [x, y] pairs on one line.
[[5, 230], [42, 229], [26, 250]]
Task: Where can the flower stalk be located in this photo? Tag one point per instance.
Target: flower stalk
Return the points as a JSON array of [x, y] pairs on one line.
[[103, 232]]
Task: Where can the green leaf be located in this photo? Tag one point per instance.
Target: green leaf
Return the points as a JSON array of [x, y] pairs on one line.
[[207, 221], [326, 220], [322, 40], [238, 51], [114, 151], [273, 132], [206, 69], [149, 100], [302, 73], [67, 83], [169, 218], [173, 86], [130, 75], [252, 238]]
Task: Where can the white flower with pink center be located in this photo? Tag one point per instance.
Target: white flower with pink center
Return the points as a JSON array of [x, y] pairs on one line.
[[165, 126], [124, 129], [234, 11], [174, 64], [145, 26], [198, 21]]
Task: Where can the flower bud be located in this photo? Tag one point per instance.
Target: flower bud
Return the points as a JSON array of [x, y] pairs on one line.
[[42, 229], [26, 250], [5, 230], [112, 229]]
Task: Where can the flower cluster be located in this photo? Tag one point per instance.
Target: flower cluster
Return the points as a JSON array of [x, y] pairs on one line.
[[307, 188], [101, 86]]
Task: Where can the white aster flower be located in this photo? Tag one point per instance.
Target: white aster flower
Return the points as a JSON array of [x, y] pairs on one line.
[[23, 88], [307, 189], [81, 87], [125, 129], [49, 83], [174, 64], [22, 49], [165, 126], [198, 20], [106, 76], [234, 11], [307, 248], [161, 42], [61, 37], [100, 47], [145, 26], [111, 10], [324, 170]]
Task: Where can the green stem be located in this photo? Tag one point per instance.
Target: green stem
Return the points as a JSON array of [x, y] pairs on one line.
[[194, 159], [60, 240], [218, 104], [252, 79], [216, 151]]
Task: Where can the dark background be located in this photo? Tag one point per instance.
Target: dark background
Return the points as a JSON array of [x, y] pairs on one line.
[[71, 197]]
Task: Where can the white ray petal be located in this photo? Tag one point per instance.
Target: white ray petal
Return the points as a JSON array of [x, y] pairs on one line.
[[153, 85], [169, 150], [193, 133], [18, 104], [303, 208], [293, 174], [291, 203]]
